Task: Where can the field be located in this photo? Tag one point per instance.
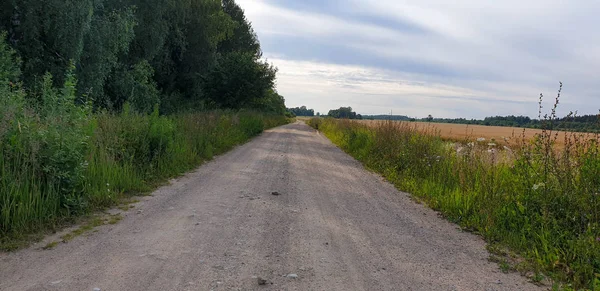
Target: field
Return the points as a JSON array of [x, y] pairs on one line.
[[501, 135]]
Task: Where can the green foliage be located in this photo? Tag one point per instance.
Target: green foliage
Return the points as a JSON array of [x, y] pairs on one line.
[[135, 86], [243, 38], [199, 54], [540, 201], [48, 34], [239, 81], [302, 111], [10, 70], [42, 159], [110, 35], [344, 113], [126, 153], [271, 102], [58, 159]]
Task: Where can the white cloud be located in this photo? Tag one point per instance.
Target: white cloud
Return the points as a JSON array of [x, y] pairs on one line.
[[501, 53]]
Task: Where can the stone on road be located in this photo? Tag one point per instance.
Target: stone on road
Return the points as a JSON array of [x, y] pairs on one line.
[[338, 227]]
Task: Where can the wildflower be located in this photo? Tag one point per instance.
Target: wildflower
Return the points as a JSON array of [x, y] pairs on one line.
[[598, 239], [492, 144], [481, 139], [537, 186], [471, 144]]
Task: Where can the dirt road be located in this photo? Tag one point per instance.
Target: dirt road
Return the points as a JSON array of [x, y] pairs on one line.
[[334, 226]]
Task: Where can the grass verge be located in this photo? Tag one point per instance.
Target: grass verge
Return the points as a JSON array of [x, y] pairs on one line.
[[57, 166], [540, 202]]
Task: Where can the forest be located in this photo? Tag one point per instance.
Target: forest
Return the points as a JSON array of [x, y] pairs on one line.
[[182, 55]]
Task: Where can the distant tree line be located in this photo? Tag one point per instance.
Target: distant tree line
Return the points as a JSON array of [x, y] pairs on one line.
[[344, 113], [182, 55], [388, 117], [302, 111]]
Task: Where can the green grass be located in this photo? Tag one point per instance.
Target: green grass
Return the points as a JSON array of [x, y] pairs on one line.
[[539, 202], [76, 163]]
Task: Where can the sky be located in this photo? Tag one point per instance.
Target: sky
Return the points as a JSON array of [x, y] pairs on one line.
[[468, 58]]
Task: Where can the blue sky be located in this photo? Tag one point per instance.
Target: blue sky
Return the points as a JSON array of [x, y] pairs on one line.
[[468, 58]]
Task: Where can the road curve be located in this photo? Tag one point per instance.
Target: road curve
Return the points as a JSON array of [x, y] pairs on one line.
[[335, 225]]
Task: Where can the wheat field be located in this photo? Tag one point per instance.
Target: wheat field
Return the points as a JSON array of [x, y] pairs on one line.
[[497, 134]]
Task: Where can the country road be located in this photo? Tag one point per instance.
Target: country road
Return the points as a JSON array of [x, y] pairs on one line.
[[335, 226]]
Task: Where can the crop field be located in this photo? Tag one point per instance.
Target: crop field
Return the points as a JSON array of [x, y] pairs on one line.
[[501, 135]]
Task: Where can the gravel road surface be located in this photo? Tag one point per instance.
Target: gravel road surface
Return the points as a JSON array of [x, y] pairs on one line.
[[333, 226]]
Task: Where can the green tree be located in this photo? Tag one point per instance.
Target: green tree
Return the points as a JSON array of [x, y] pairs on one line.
[[48, 34], [110, 35], [239, 81], [9, 63], [244, 38]]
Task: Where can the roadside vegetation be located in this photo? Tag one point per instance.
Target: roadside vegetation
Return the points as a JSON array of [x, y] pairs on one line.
[[103, 99], [537, 200]]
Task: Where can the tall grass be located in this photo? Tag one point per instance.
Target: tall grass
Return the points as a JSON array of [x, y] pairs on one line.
[[58, 161], [539, 201]]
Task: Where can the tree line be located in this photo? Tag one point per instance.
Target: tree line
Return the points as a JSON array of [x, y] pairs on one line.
[[182, 55], [584, 123], [302, 111], [344, 113]]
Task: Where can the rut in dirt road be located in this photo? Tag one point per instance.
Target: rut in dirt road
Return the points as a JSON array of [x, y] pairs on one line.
[[333, 226]]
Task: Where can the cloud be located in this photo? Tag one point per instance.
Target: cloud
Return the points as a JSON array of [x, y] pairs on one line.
[[468, 58]]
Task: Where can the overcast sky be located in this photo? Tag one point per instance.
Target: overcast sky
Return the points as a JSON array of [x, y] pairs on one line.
[[467, 58]]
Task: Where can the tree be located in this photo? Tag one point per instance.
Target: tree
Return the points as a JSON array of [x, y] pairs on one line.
[[47, 34], [429, 118], [110, 34], [238, 81], [344, 113], [302, 111], [243, 38]]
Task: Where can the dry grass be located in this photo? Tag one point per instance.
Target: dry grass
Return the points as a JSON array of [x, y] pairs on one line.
[[499, 134]]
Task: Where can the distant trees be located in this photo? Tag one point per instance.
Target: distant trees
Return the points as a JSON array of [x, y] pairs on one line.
[[344, 113], [302, 111], [387, 117], [585, 123]]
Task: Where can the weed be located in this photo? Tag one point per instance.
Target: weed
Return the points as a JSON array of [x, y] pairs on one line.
[[50, 245], [114, 219], [90, 225]]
